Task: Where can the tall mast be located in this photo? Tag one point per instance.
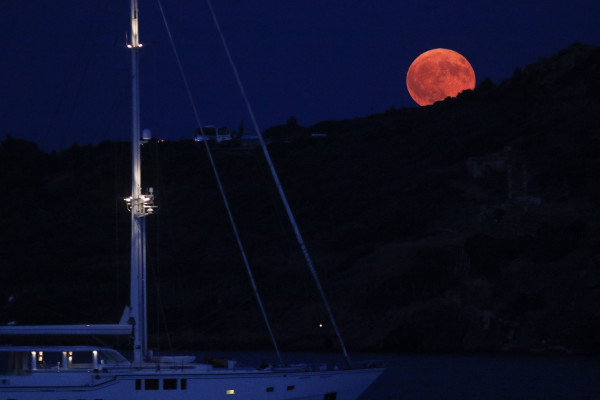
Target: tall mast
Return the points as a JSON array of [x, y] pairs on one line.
[[138, 226]]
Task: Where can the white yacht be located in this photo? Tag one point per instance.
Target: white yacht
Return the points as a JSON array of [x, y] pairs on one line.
[[92, 373], [99, 373]]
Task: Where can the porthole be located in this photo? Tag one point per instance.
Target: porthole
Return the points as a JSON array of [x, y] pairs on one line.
[[170, 384], [151, 384]]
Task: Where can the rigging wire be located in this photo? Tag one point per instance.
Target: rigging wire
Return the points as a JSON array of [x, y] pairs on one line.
[[278, 183], [217, 177]]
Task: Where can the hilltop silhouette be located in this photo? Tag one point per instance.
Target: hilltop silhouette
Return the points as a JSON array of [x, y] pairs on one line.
[[468, 225]]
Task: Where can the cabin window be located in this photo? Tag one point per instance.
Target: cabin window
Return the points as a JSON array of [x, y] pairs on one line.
[[183, 384], [270, 389], [170, 384], [81, 357], [151, 384], [138, 384]]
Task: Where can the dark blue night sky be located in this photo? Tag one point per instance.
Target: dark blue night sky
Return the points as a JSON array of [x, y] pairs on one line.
[[64, 72]]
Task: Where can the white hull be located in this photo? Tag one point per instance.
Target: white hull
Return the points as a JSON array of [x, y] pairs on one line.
[[182, 384]]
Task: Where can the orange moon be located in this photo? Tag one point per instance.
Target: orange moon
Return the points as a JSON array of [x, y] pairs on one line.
[[437, 74]]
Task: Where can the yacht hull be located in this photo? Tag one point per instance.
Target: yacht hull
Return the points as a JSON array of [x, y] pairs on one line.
[[229, 384]]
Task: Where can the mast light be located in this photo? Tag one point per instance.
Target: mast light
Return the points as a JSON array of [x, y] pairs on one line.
[[144, 205]]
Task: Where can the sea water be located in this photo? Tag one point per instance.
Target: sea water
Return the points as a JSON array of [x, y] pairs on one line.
[[464, 377]]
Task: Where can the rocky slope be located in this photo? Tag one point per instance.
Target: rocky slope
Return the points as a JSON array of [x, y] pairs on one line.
[[468, 225]]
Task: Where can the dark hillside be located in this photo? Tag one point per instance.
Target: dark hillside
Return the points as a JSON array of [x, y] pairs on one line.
[[471, 224]]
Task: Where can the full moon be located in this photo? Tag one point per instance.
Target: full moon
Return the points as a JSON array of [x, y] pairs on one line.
[[437, 74]]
